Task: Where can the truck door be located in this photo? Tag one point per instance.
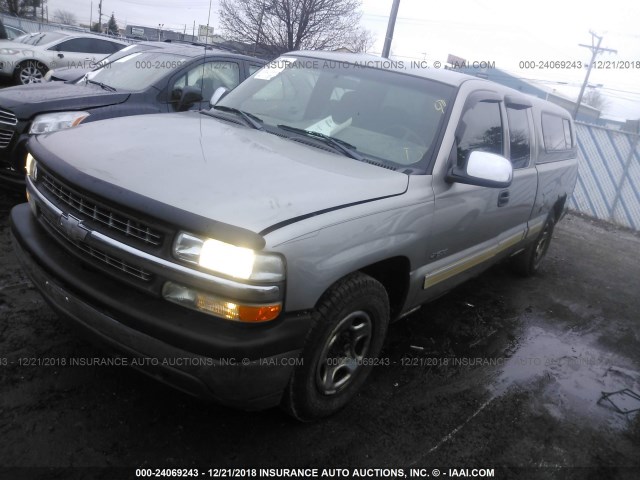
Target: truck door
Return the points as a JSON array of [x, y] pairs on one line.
[[473, 224], [523, 189]]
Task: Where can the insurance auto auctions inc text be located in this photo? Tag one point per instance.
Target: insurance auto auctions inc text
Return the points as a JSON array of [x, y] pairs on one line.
[[373, 472]]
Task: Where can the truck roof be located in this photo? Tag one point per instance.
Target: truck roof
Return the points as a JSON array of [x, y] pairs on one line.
[[401, 66], [442, 75]]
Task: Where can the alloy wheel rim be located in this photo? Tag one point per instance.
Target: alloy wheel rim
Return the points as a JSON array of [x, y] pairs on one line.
[[541, 247], [30, 74], [343, 353]]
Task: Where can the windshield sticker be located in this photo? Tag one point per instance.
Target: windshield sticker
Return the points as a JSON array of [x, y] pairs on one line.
[[274, 68], [328, 126], [440, 105]]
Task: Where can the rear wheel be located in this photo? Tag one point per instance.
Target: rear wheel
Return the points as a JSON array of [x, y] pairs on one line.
[[31, 71], [348, 334], [528, 262]]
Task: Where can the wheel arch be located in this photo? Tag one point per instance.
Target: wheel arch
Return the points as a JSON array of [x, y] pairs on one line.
[[558, 208], [20, 64], [393, 274]]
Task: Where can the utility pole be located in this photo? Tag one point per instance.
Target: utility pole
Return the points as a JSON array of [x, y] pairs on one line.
[[255, 46], [390, 27], [100, 17], [595, 50]]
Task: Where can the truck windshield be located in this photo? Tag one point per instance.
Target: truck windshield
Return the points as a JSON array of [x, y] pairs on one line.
[[137, 71], [386, 115]]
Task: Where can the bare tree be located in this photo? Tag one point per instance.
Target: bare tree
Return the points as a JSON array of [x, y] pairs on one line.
[[65, 17], [361, 41], [282, 25], [595, 99], [21, 8]]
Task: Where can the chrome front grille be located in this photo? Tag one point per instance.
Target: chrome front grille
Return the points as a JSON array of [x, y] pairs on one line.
[[5, 138], [92, 211], [99, 255], [7, 117]]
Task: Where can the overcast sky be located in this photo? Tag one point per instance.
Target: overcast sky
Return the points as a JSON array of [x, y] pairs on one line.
[[502, 31]]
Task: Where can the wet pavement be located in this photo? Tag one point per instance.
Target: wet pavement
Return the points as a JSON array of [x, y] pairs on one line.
[[503, 373]]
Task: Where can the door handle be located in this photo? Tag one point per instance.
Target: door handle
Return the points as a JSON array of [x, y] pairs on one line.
[[60, 55], [503, 198]]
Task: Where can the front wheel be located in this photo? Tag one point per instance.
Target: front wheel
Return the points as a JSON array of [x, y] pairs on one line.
[[31, 71], [528, 262], [348, 334]]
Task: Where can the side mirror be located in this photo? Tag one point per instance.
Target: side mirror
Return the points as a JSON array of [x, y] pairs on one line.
[[483, 169], [217, 95], [190, 95]]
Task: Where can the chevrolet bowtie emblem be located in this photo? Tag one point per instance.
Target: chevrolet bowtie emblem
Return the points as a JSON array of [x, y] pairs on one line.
[[73, 228]]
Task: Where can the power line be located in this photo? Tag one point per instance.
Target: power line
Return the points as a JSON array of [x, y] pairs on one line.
[[595, 50]]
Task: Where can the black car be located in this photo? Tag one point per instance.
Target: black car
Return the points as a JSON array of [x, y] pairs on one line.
[[174, 78]]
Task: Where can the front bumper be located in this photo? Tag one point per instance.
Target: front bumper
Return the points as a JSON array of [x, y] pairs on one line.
[[244, 366], [7, 67]]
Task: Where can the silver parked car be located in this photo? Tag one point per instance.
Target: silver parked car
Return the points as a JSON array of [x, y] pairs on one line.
[[255, 253], [70, 74], [28, 59]]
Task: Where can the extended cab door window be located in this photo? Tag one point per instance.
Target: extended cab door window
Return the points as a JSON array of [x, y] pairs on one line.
[[519, 136], [206, 77]]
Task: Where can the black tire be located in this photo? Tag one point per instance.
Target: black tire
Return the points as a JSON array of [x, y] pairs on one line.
[[30, 71], [527, 263], [348, 333]]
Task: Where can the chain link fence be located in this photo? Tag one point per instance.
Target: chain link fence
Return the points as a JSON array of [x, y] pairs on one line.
[[608, 186]]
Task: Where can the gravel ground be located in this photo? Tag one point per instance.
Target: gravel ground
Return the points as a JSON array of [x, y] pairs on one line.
[[502, 373]]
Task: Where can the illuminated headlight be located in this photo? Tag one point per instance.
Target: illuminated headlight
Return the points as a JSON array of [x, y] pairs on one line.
[[51, 122], [221, 257], [213, 305], [31, 167], [9, 51]]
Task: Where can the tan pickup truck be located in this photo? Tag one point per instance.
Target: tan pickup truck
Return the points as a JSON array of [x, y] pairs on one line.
[[255, 252]]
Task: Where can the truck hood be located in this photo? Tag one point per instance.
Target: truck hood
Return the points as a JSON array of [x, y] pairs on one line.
[[218, 170], [25, 101]]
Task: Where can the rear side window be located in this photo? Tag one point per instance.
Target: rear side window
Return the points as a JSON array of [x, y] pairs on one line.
[[88, 45], [519, 137], [556, 132], [254, 68], [480, 129]]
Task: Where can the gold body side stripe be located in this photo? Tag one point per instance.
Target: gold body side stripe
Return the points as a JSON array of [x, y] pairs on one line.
[[469, 262]]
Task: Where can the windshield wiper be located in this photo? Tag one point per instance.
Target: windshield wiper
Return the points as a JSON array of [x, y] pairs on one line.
[[38, 40], [251, 119], [340, 145], [101, 85]]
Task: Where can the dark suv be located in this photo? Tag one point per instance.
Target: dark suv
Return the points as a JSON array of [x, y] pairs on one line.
[[168, 79]]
